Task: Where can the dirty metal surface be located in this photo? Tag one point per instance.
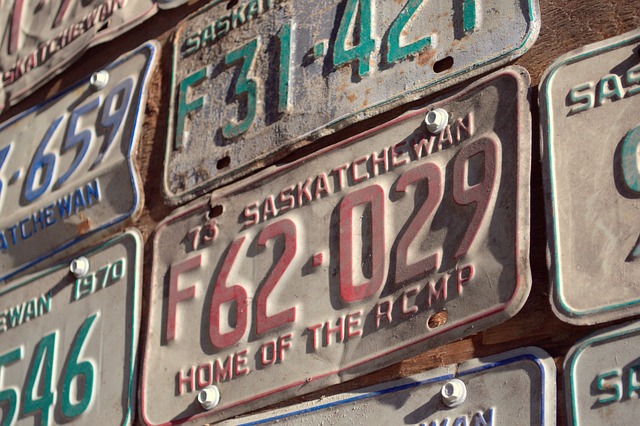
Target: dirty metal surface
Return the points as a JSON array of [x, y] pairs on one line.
[[42, 38], [67, 167], [601, 377], [515, 388], [255, 79], [353, 258], [589, 119], [68, 345]]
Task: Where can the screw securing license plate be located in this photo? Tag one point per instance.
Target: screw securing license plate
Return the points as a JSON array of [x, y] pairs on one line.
[[345, 261], [255, 79]]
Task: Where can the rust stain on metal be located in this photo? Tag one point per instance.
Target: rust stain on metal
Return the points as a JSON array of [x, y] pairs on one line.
[[85, 224], [438, 319], [426, 57]]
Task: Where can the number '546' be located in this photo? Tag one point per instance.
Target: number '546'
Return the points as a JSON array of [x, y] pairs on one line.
[[38, 395]]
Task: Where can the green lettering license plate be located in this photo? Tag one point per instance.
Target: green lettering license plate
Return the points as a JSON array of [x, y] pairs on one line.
[[68, 344], [255, 79]]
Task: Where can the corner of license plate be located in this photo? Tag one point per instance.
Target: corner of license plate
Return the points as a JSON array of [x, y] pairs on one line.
[[48, 37], [258, 78], [591, 177], [515, 388], [413, 240], [68, 164], [600, 377], [68, 343]]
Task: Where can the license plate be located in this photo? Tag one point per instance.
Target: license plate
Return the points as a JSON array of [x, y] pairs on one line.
[[67, 345], [529, 398], [591, 134], [255, 79], [67, 166], [353, 258], [41, 38], [602, 377]]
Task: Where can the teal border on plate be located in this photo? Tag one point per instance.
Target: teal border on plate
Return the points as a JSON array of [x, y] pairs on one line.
[[586, 344], [133, 286], [546, 124]]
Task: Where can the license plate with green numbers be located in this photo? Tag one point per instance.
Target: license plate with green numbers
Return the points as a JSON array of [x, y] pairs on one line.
[[67, 166], [602, 377], [68, 345], [254, 79], [350, 259], [590, 121]]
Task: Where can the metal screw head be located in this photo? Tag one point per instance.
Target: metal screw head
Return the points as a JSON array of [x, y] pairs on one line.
[[436, 120], [79, 267], [209, 397], [100, 79], [454, 393]]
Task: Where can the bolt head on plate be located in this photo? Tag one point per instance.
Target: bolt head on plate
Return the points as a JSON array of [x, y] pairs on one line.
[[209, 397], [100, 79], [454, 393], [436, 120], [79, 267]]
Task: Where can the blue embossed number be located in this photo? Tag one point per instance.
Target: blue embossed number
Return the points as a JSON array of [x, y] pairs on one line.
[[82, 138], [77, 138]]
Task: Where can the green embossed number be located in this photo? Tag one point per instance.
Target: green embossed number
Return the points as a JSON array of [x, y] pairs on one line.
[[396, 52], [630, 156], [362, 44], [244, 86], [42, 371], [9, 395], [76, 369], [284, 37], [469, 16], [39, 393]]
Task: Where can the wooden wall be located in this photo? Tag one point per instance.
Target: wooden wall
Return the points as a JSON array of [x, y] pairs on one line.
[[566, 24]]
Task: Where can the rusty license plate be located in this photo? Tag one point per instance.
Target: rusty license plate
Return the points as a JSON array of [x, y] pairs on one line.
[[515, 388], [345, 261], [602, 377], [68, 345], [67, 166], [254, 79], [591, 134], [42, 38]]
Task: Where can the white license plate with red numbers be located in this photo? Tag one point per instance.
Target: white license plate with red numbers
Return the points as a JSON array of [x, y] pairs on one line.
[[68, 344], [345, 261]]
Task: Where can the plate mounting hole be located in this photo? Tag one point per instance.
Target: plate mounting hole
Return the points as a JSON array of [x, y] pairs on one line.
[[223, 163], [443, 64], [438, 319], [216, 211]]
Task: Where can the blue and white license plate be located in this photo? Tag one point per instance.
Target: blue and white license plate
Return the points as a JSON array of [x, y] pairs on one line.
[[67, 166], [255, 79], [516, 388], [40, 38], [68, 345]]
